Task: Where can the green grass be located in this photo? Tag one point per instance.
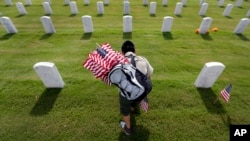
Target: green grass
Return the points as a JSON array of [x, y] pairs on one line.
[[86, 109]]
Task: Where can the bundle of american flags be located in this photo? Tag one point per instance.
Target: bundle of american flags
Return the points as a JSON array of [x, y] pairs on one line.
[[102, 60]]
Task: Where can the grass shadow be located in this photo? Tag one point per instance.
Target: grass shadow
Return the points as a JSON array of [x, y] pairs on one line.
[[127, 35], [7, 36], [139, 132], [99, 15], [211, 101], [46, 36], [20, 15], [167, 35], [206, 37], [152, 15], [86, 36], [45, 102], [242, 37], [229, 17], [179, 16], [72, 15]]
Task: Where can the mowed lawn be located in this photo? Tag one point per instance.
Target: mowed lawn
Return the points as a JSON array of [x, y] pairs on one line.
[[88, 110]]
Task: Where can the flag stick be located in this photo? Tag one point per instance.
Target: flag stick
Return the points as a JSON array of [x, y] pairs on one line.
[[215, 100]]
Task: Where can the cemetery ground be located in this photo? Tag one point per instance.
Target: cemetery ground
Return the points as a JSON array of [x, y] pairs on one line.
[[87, 109]]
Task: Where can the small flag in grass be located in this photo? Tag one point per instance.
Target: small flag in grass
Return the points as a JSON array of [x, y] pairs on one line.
[[225, 93]]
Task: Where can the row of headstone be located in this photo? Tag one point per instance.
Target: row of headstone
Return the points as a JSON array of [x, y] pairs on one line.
[[51, 77], [126, 9], [145, 2], [127, 24]]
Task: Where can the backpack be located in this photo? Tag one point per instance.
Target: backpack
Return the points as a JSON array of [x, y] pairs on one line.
[[133, 84]]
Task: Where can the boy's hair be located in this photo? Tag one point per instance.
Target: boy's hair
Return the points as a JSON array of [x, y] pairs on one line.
[[128, 46]]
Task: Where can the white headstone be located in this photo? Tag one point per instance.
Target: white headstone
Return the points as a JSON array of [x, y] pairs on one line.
[[100, 8], [20, 8], [127, 24], [47, 8], [164, 2], [238, 3], [48, 1], [145, 2], [49, 74], [152, 9], [228, 10], [184, 2], [242, 25], [209, 74], [28, 2], [126, 7], [203, 9], [47, 24], [8, 2], [66, 2], [8, 25], [205, 24], [87, 24], [220, 3], [167, 24], [73, 7], [178, 8], [86, 2], [106, 2], [202, 1], [248, 13]]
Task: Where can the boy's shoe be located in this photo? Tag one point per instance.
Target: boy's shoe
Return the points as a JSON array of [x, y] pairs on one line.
[[126, 130]]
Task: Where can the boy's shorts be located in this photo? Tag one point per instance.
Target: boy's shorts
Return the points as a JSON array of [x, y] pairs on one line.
[[125, 105]]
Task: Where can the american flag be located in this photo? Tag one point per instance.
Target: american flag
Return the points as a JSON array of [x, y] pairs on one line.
[[102, 60], [144, 104], [225, 93]]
